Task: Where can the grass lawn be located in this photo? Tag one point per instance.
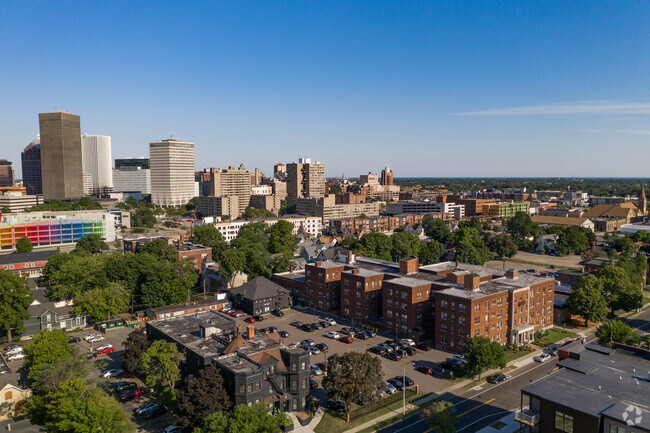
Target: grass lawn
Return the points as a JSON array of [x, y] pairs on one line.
[[556, 334], [511, 355], [334, 424]]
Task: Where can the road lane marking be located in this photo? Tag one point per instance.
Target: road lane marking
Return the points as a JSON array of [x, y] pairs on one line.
[[476, 407]]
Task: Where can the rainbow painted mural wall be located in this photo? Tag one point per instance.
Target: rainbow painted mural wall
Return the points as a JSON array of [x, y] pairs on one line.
[[50, 231]]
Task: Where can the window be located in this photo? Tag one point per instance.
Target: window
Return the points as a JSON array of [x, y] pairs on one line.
[[462, 308], [389, 302], [563, 422], [453, 305], [420, 297], [443, 327], [389, 292], [477, 307], [616, 429], [443, 315], [461, 320], [8, 395], [302, 366], [242, 389], [443, 303], [404, 295], [477, 320]]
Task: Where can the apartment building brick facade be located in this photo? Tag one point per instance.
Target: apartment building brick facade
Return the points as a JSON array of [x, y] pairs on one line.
[[361, 294]]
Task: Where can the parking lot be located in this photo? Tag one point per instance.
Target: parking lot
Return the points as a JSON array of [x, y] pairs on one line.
[[391, 369]]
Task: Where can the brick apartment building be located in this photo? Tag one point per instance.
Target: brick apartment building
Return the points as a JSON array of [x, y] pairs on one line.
[[361, 294], [473, 206], [381, 223], [323, 285]]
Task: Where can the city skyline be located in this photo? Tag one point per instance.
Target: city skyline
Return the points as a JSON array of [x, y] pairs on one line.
[[446, 81]]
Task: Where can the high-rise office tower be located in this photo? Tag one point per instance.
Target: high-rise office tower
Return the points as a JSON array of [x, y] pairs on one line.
[[96, 153], [305, 179], [231, 182], [6, 173], [61, 166], [30, 159], [172, 172], [387, 176]]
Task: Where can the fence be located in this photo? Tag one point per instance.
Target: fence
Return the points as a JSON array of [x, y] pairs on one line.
[[379, 404]]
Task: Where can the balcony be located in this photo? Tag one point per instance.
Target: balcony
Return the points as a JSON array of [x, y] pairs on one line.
[[528, 417]]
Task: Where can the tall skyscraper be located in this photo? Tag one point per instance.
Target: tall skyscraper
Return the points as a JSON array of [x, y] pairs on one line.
[[305, 179], [30, 159], [6, 173], [96, 152], [172, 172], [387, 176], [231, 182], [61, 166]]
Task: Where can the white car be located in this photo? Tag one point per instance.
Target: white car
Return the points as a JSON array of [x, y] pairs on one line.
[[90, 336], [316, 369], [543, 357], [172, 429], [314, 351], [407, 342], [96, 339], [333, 335], [102, 347], [16, 356], [112, 372], [14, 351], [330, 321], [390, 389]]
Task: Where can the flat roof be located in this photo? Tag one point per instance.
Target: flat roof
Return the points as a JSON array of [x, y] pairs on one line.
[[482, 271], [599, 382], [362, 272]]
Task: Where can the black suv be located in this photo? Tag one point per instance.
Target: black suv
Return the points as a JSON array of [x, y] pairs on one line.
[[277, 313], [125, 386]]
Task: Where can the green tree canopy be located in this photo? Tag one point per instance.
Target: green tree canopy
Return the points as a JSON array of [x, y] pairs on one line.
[[143, 217], [353, 375], [231, 262], [253, 213], [91, 244], [160, 248], [101, 303], [436, 229], [24, 245], [252, 233], [470, 248], [15, 299], [160, 362], [501, 245], [441, 416], [620, 293], [482, 354], [201, 396], [47, 377], [405, 245], [46, 348], [619, 331], [375, 245], [431, 252], [209, 236], [573, 240], [244, 419], [521, 227], [135, 345], [281, 239], [587, 300]]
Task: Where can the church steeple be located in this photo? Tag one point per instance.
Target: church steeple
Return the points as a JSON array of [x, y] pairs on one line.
[[643, 204]]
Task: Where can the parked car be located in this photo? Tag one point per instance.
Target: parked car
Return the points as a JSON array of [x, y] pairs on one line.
[[396, 383], [410, 351], [361, 336], [91, 355], [113, 372], [406, 342], [551, 350], [92, 336], [313, 384], [317, 371], [425, 369], [451, 364], [308, 343], [16, 356], [336, 405], [284, 334], [145, 407], [377, 350], [401, 352], [258, 317], [460, 358], [346, 331], [15, 350], [405, 380], [125, 386], [385, 347], [333, 335], [240, 314], [371, 334], [324, 324], [96, 339], [73, 339], [314, 351], [322, 347], [346, 339], [226, 310], [390, 389], [102, 347], [106, 350], [277, 313], [330, 321], [172, 429], [542, 358], [496, 378], [133, 393], [322, 366], [297, 323], [8, 347], [424, 346], [265, 330], [154, 412], [307, 327], [393, 356], [250, 320], [316, 326]]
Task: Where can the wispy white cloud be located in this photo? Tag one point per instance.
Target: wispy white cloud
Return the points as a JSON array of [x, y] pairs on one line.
[[585, 107]]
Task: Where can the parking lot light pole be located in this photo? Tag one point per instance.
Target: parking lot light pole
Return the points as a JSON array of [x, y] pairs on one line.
[[404, 390]]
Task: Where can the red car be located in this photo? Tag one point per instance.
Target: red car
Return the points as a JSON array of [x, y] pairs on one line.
[[134, 393], [107, 350], [249, 320], [424, 369], [346, 339]]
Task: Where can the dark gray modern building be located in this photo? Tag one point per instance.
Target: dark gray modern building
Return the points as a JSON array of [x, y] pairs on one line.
[[30, 159], [132, 162], [260, 296], [597, 390], [255, 367], [61, 169]]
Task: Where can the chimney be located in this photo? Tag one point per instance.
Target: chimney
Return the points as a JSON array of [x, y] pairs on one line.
[[456, 277], [512, 273], [472, 282], [317, 264], [250, 331], [355, 271], [409, 265], [351, 257]]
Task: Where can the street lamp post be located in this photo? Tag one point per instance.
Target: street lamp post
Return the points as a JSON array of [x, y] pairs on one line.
[[404, 389]]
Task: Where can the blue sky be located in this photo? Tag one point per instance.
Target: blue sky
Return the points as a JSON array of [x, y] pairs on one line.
[[457, 88]]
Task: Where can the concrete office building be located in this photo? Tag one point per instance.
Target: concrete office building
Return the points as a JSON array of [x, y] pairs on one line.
[[96, 160], [230, 229], [132, 162], [421, 207], [30, 159], [305, 179], [172, 172], [327, 209], [61, 160], [6, 173], [219, 206], [231, 182], [17, 202], [387, 176], [131, 178]]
